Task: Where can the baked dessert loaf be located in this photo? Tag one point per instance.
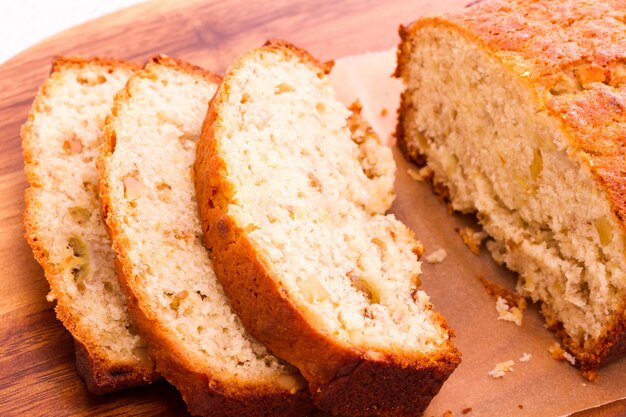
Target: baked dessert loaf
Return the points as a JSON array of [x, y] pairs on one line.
[[292, 215], [148, 201], [60, 140], [519, 108]]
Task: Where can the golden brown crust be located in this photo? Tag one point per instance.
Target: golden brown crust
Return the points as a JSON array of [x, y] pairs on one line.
[[175, 63], [343, 379], [102, 378], [60, 62], [100, 375], [610, 346], [572, 55], [205, 391]]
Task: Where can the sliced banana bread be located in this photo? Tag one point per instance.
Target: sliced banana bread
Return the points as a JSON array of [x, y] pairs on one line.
[[146, 179], [519, 108], [312, 267], [63, 225]]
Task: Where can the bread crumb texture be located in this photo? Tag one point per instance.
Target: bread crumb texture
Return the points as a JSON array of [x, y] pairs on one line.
[[518, 108], [62, 218], [312, 207], [147, 175]]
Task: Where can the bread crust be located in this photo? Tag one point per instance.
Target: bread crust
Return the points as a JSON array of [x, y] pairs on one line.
[[591, 116], [100, 375], [205, 391], [343, 379]]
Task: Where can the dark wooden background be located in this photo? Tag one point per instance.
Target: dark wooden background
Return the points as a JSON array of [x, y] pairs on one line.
[[37, 373]]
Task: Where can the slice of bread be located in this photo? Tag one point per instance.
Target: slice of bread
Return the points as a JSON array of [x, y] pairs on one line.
[[148, 200], [313, 269], [62, 220], [519, 109]]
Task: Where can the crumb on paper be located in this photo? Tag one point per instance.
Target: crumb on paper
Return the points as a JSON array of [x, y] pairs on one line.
[[472, 238], [448, 413], [383, 112], [510, 307], [525, 357], [437, 256], [559, 354], [570, 358], [590, 375], [501, 369], [466, 410], [509, 312], [422, 174]]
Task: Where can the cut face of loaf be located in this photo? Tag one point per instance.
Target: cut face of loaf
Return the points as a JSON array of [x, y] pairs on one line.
[[292, 214], [63, 225], [520, 112], [146, 171]]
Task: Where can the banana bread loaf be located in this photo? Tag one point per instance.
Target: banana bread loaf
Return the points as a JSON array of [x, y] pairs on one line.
[[519, 107]]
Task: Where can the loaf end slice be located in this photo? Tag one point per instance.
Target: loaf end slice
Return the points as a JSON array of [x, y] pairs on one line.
[[146, 186], [311, 265], [519, 110], [60, 140]]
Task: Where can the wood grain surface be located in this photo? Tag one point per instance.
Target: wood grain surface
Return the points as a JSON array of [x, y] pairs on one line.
[[37, 371]]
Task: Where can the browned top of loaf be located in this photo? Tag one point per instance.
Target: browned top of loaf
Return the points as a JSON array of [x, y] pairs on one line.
[[573, 54]]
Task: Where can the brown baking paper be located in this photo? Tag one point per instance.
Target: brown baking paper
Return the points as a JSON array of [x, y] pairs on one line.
[[539, 387]]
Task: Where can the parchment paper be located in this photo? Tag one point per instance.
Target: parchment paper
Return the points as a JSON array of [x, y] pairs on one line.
[[539, 387]]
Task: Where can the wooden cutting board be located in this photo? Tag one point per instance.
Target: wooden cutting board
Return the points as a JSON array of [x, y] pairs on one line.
[[37, 372]]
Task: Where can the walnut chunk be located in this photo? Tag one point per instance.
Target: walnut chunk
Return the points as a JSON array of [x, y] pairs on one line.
[[176, 299], [365, 287], [78, 261], [80, 215]]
